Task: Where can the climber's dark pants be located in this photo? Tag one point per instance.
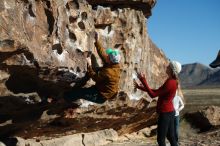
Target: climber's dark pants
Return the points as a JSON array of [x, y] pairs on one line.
[[166, 129], [91, 94]]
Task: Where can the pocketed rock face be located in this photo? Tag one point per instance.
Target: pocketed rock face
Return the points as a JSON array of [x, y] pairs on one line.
[[43, 50], [43, 44]]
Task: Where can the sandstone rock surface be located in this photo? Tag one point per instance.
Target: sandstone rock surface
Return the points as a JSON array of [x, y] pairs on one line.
[[43, 50], [98, 138]]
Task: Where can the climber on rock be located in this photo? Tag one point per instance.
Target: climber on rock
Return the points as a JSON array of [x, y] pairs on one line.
[[106, 78]]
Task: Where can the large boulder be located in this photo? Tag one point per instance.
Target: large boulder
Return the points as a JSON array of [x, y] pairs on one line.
[[43, 44], [205, 119], [43, 50]]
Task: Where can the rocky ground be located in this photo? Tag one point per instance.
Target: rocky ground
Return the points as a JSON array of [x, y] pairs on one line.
[[35, 120], [188, 137], [197, 128]]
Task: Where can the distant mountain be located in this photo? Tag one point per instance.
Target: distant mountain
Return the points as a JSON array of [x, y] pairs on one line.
[[196, 74]]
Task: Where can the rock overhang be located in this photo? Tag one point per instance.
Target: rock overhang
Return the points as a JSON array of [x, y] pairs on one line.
[[144, 5]]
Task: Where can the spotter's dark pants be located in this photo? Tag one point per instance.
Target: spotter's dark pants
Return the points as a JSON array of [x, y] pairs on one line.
[[166, 129]]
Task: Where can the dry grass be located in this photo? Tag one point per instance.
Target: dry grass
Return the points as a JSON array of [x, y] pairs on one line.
[[196, 99]]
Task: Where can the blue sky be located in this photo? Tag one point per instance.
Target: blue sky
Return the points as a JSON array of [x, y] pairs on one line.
[[186, 30]]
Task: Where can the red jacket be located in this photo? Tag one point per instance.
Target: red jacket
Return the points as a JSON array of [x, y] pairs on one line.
[[165, 93]]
